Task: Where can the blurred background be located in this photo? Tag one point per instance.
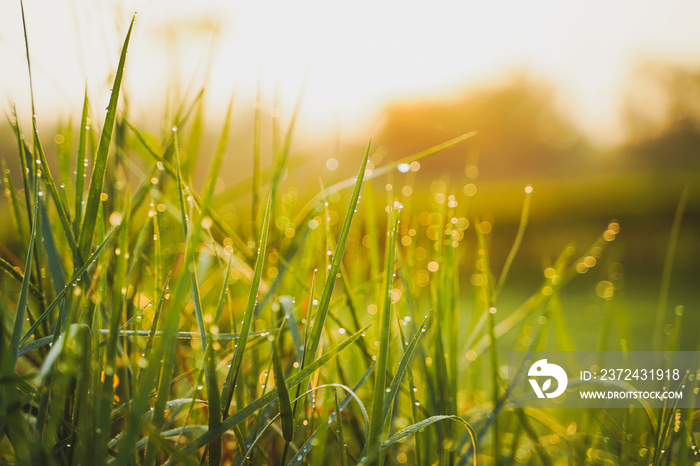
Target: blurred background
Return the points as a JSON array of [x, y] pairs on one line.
[[594, 104]]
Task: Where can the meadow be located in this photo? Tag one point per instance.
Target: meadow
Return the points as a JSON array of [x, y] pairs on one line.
[[149, 318]]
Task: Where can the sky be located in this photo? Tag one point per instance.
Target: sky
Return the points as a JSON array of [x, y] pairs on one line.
[[349, 59]]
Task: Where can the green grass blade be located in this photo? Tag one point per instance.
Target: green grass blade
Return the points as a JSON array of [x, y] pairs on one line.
[[24, 290], [116, 311], [81, 162], [489, 297], [234, 370], [82, 345], [325, 300], [154, 325], [53, 257], [100, 165], [138, 250], [307, 333], [29, 61], [282, 393], [181, 335], [214, 402], [414, 403], [412, 429], [192, 240], [668, 268], [403, 367], [35, 345], [524, 216], [377, 421], [157, 256], [287, 310], [222, 296], [342, 446]]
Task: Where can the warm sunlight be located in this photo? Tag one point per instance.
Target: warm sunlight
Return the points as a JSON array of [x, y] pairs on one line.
[[353, 57]]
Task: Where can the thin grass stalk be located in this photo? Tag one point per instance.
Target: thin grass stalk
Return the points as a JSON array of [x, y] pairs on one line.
[[24, 291], [522, 226], [100, 165], [668, 268], [234, 369], [110, 363], [488, 297], [324, 303], [379, 393], [214, 402]]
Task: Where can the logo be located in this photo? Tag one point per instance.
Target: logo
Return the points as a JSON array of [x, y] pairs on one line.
[[542, 368]]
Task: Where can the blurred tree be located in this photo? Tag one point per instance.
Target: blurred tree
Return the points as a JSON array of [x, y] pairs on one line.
[[662, 117], [519, 130]]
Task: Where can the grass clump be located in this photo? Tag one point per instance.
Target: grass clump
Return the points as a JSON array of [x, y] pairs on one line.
[[141, 327]]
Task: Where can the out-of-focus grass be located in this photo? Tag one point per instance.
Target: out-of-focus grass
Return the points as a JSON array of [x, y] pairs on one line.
[[142, 326]]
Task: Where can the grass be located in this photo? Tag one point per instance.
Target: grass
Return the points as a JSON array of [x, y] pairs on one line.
[[140, 327]]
